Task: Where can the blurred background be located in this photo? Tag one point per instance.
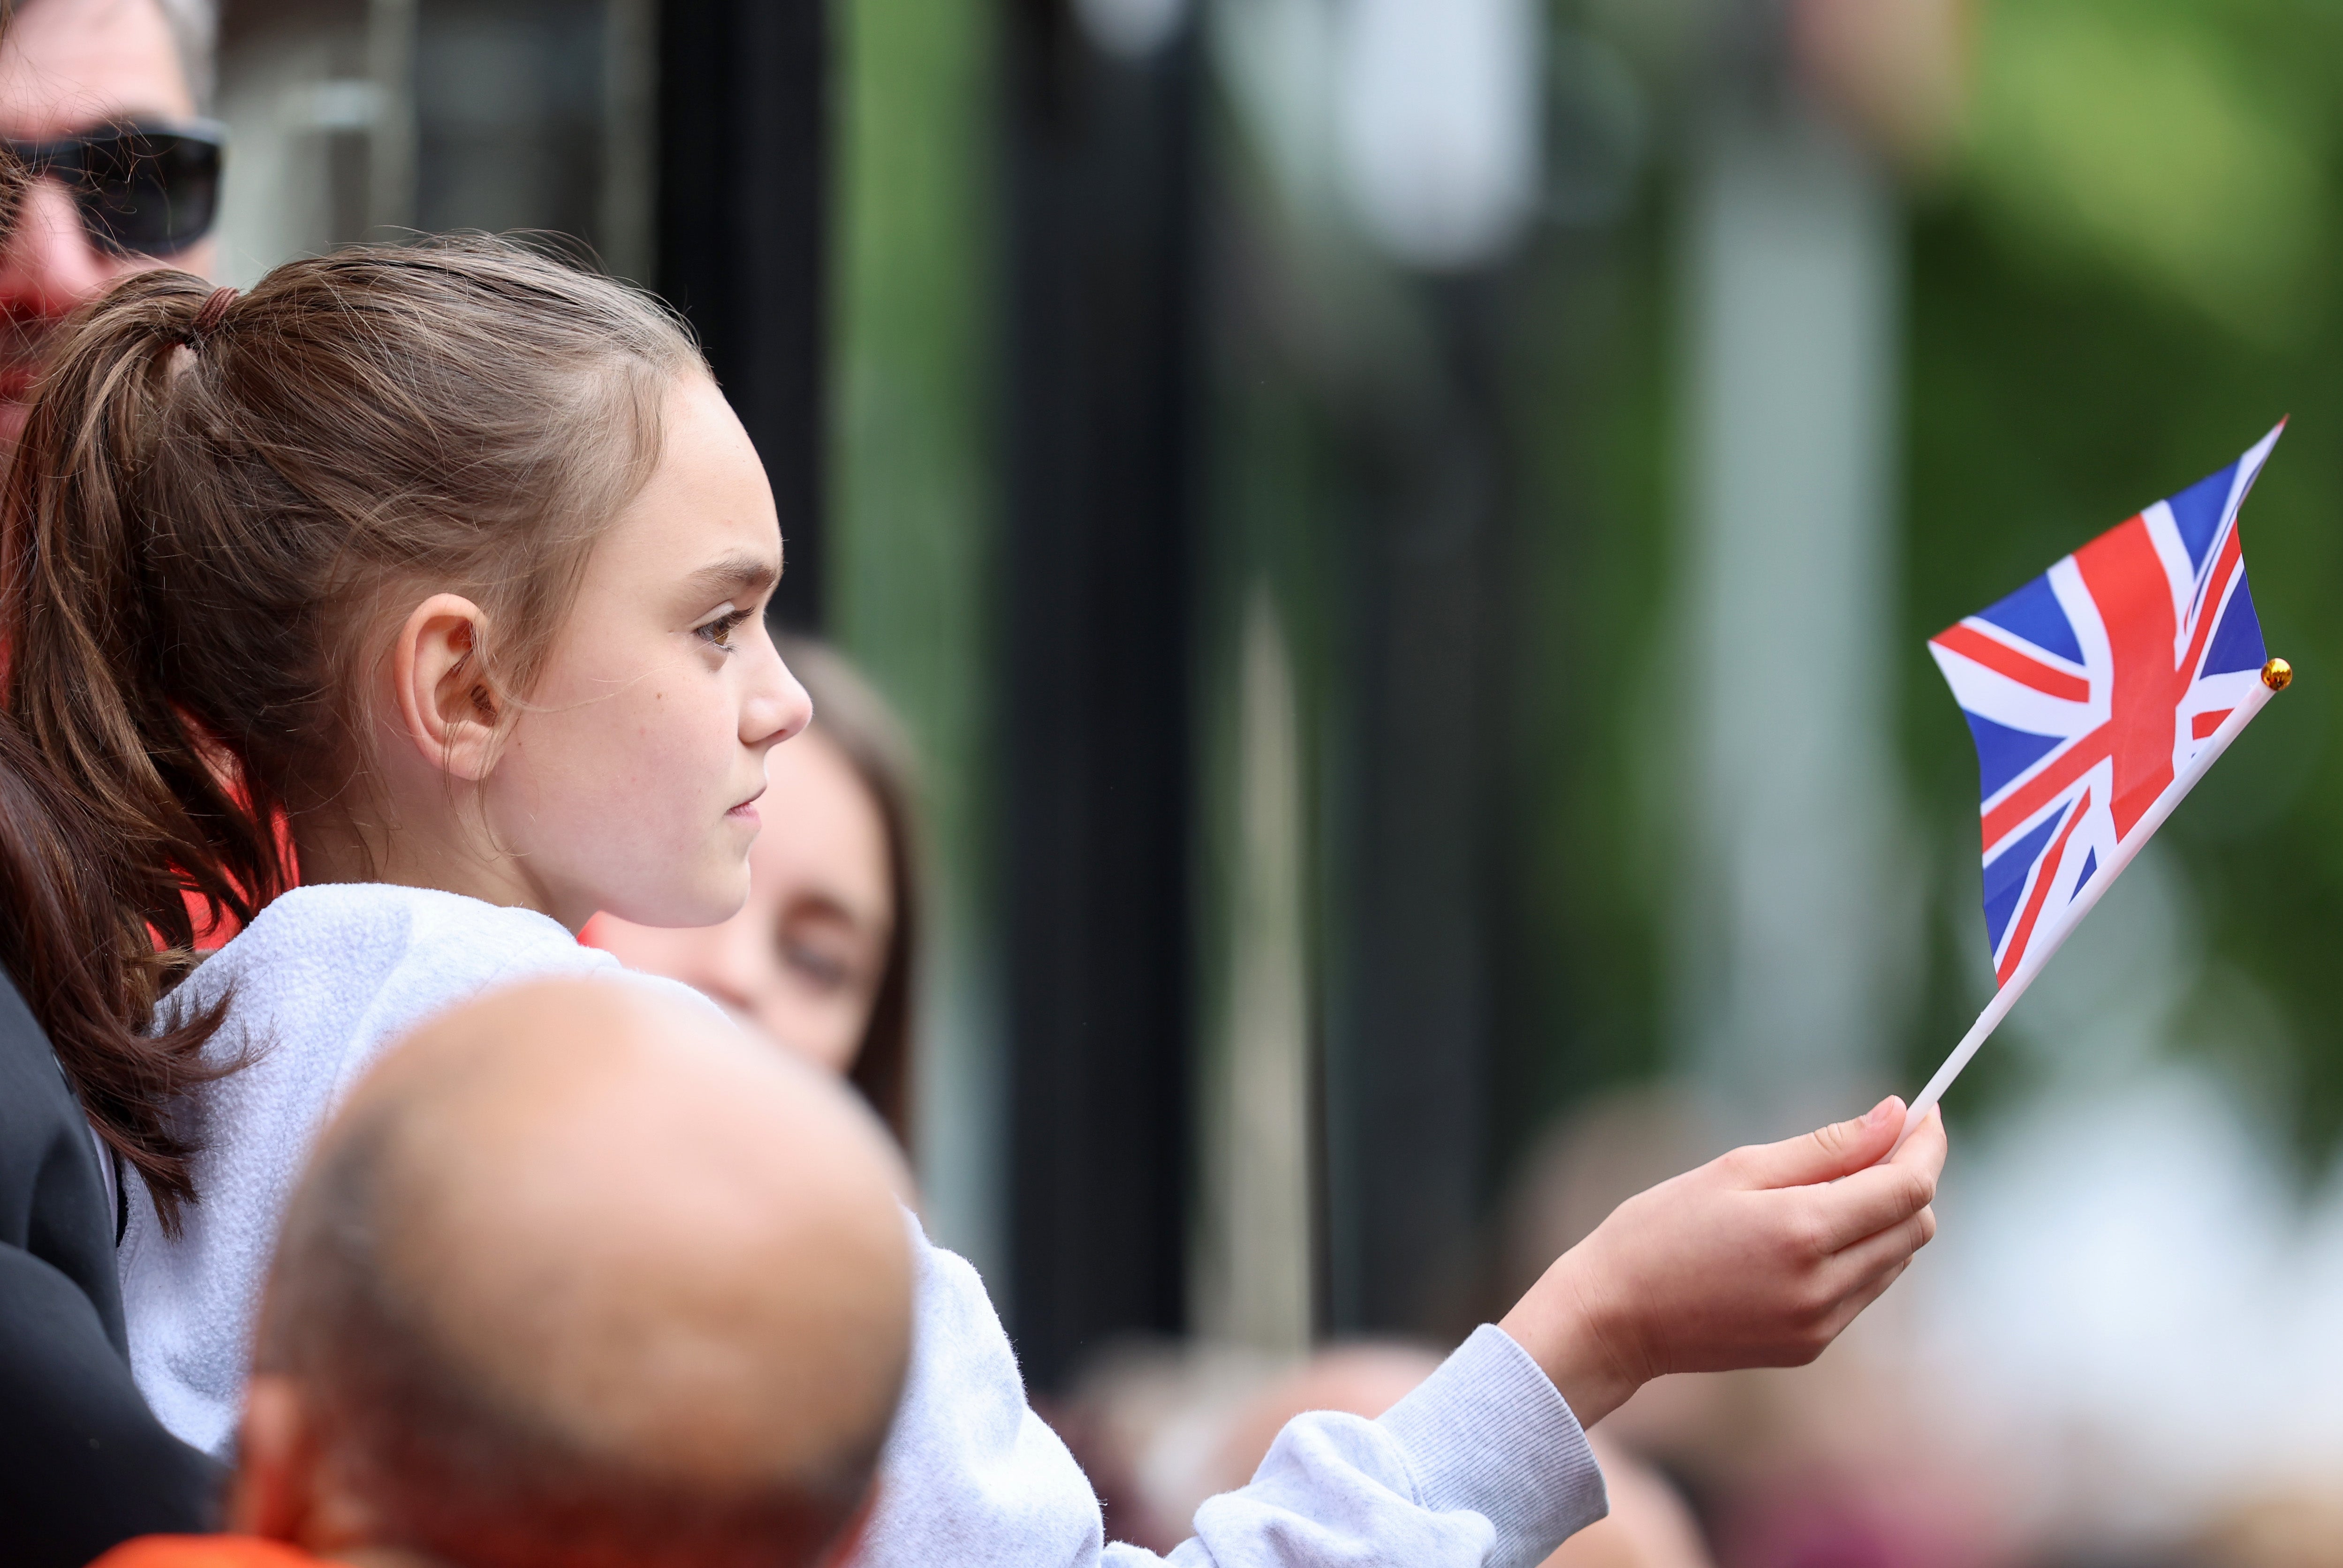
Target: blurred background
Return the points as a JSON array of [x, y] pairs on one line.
[[1403, 531]]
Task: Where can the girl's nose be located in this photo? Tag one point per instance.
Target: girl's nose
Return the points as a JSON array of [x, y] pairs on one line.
[[776, 709]]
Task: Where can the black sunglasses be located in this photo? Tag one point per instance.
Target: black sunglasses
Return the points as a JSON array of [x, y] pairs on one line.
[[146, 190]]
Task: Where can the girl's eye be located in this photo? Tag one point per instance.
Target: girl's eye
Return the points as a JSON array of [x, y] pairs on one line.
[[824, 971], [720, 630]]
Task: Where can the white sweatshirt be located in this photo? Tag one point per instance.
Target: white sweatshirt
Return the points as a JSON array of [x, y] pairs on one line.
[[1483, 1464]]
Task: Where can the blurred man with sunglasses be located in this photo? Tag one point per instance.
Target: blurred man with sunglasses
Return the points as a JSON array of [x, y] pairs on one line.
[[99, 102]]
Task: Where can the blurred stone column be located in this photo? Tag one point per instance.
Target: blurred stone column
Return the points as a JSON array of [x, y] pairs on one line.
[[1254, 1249], [1793, 929]]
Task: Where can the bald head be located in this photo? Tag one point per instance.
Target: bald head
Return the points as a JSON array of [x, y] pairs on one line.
[[581, 1275]]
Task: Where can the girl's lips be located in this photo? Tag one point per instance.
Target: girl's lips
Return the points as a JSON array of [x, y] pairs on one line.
[[747, 809]]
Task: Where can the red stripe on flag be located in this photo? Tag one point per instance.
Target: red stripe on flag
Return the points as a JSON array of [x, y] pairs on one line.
[[2034, 901], [2204, 724], [2003, 659], [2128, 582], [2046, 786]]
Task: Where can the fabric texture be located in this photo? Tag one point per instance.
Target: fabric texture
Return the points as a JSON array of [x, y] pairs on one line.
[[324, 981], [1483, 1464], [83, 1463]]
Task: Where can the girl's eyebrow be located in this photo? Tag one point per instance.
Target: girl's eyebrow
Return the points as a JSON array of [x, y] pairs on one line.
[[741, 573]]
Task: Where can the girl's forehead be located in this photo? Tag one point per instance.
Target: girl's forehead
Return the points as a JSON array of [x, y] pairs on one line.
[[707, 509]]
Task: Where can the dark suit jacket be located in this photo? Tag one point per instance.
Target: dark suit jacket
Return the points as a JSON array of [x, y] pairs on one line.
[[83, 1463]]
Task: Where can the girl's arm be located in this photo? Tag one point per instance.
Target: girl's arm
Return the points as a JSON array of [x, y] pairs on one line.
[[1757, 1259]]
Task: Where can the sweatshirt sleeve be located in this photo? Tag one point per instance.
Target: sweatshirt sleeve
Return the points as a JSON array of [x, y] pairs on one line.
[[1483, 1464]]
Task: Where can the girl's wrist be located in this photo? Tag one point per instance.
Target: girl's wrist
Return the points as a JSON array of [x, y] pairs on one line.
[[1564, 1325]]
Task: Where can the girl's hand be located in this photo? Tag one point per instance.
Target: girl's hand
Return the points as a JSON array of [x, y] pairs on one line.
[[1759, 1258]]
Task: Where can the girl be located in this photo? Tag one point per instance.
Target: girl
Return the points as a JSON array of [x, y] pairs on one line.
[[451, 561]]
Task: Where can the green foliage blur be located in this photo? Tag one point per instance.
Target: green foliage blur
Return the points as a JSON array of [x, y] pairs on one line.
[[911, 483], [2120, 271]]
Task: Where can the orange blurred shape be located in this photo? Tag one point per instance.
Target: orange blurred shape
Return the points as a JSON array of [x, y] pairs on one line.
[[204, 1551]]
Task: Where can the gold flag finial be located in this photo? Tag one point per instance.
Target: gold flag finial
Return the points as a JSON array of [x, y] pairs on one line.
[[2278, 674]]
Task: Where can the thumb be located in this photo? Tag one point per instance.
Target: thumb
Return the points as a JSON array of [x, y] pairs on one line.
[[1825, 1154]]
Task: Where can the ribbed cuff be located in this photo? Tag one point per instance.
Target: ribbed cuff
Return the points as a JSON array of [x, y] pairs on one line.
[[1490, 1433]]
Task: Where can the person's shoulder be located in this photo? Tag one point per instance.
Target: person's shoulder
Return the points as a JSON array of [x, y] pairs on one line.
[[412, 952], [328, 973], [34, 1100], [338, 929], [451, 926], [54, 1198], [377, 911], [357, 928]]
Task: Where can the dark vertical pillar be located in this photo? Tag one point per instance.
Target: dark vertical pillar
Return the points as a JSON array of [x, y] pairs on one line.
[[744, 148], [1409, 1078], [1100, 170]]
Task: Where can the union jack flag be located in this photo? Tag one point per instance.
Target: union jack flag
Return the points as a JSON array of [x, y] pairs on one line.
[[2091, 690]]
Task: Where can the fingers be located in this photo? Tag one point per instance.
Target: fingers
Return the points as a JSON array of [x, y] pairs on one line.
[[1868, 1202], [1899, 1193], [1860, 1275], [1884, 1253], [1925, 1150], [1852, 1306], [1825, 1154]]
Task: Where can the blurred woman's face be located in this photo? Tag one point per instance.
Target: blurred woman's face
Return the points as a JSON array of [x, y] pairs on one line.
[[802, 961]]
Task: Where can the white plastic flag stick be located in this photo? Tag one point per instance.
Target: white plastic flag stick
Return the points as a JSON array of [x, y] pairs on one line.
[[2275, 676]]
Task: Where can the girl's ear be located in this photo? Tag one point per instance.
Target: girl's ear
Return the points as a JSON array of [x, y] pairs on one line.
[[449, 710]]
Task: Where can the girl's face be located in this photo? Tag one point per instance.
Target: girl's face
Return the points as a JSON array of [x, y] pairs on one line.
[[629, 781], [803, 959]]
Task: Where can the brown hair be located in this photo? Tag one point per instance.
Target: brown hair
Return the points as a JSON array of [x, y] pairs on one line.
[[81, 961], [89, 973], [856, 720], [217, 505]]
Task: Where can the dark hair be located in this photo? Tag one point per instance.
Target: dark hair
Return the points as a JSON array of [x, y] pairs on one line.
[[214, 508], [450, 1461], [856, 720], [64, 938], [89, 971]]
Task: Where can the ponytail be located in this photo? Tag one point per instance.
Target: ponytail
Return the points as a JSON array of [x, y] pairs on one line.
[[85, 972], [215, 502], [90, 671], [95, 872]]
